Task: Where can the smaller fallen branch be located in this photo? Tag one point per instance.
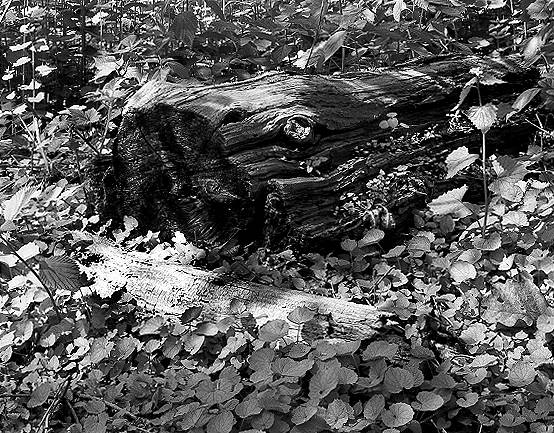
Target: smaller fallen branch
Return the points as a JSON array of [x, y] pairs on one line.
[[170, 288]]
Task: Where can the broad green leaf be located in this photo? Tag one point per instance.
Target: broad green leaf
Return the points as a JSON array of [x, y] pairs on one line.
[[207, 329], [125, 347], [152, 326], [184, 27], [465, 91], [349, 245], [248, 407], [450, 203], [492, 243], [374, 407], [216, 9], [100, 349], [14, 205], [482, 117], [273, 330], [458, 160], [525, 98], [398, 7], [427, 401], [338, 413], [522, 373], [397, 415], [192, 342], [380, 349], [468, 399], [462, 271], [324, 380], [332, 44], [515, 218], [373, 236], [398, 379], [223, 422], [513, 301], [39, 395], [290, 367], [60, 273], [509, 172], [301, 315], [301, 414]]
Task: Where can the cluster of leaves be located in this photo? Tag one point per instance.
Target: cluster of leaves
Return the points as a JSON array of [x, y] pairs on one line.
[[473, 350]]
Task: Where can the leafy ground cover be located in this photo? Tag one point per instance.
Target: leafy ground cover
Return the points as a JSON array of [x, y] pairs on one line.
[[470, 286]]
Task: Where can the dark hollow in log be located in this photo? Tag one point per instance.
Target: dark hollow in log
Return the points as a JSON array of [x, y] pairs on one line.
[[289, 158]]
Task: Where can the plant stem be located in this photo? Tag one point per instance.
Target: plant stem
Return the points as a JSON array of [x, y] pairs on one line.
[[37, 276], [485, 186]]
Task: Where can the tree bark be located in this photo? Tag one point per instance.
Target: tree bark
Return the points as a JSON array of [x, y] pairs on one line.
[[283, 158], [172, 288]]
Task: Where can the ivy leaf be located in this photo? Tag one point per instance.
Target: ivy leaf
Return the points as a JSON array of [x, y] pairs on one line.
[[450, 203], [397, 415], [482, 117], [273, 330], [221, 423], [461, 271], [40, 395], [374, 407], [458, 160], [522, 373], [427, 401], [302, 414], [60, 273]]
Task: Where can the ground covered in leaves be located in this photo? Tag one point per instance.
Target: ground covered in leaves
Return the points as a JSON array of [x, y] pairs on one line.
[[470, 286]]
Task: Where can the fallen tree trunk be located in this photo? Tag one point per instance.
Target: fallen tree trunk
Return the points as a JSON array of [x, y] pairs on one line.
[[171, 289], [285, 159]]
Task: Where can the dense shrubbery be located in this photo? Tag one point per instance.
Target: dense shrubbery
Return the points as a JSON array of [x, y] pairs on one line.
[[471, 286]]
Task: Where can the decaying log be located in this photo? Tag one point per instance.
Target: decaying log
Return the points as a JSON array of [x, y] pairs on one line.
[[289, 158], [171, 289]]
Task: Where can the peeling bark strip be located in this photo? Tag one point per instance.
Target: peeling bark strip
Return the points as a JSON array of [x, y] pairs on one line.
[[274, 158], [172, 288]]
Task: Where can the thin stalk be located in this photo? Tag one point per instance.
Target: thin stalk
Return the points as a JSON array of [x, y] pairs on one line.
[[485, 183], [37, 276]]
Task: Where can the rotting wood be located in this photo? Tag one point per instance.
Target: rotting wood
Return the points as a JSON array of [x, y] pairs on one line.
[[229, 163], [171, 288]]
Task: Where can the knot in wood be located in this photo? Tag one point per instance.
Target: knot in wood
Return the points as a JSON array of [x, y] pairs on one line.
[[299, 129], [216, 192]]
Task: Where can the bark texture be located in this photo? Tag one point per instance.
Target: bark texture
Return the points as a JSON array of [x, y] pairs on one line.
[[284, 159], [169, 288]]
